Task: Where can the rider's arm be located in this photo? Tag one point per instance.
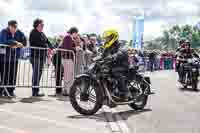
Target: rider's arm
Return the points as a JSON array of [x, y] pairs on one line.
[[119, 55]]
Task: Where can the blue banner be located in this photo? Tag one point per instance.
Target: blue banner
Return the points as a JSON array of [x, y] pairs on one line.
[[138, 30]]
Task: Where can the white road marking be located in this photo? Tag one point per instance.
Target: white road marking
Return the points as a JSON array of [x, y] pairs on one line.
[[117, 124], [113, 125], [122, 124]]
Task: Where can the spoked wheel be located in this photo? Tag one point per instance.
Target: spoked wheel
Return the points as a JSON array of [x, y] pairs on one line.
[[85, 96], [141, 101]]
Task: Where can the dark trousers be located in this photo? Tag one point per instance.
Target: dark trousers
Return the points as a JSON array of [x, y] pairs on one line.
[[122, 81], [37, 66], [59, 75], [8, 75], [152, 65], [59, 71], [181, 72]]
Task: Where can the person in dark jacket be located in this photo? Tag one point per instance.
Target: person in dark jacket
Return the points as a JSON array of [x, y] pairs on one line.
[[152, 60], [119, 57], [38, 56], [9, 55], [183, 54]]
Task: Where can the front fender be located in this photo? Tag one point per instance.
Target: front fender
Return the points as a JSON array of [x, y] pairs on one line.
[[86, 76], [89, 78]]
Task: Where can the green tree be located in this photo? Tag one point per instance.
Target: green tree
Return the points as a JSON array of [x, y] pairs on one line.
[[169, 38]]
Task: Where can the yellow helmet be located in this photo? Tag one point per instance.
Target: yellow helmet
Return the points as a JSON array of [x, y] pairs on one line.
[[110, 37]]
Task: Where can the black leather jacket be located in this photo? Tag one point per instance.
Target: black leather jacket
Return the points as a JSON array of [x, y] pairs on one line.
[[118, 56], [187, 53]]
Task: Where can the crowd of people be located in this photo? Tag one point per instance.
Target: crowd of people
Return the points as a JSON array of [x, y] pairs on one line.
[[154, 60], [79, 51], [74, 44]]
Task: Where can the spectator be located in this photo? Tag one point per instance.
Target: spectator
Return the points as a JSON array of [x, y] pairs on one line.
[[152, 60], [92, 45], [14, 39], [87, 53], [79, 56], [38, 56], [59, 70], [68, 58], [132, 57], [91, 50], [86, 41]]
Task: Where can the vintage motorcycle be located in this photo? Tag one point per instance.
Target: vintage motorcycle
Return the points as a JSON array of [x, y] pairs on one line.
[[97, 87]]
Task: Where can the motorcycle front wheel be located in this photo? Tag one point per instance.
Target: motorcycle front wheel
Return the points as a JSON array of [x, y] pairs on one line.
[[86, 96]]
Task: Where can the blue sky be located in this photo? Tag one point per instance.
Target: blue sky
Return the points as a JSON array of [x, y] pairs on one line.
[[97, 15]]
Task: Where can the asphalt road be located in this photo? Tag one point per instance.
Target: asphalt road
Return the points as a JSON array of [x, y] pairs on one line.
[[170, 110]]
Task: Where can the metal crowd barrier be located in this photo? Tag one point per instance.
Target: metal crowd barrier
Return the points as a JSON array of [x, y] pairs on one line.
[[33, 67]]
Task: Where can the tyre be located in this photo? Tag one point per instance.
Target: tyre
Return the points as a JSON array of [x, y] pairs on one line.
[[140, 102], [84, 96]]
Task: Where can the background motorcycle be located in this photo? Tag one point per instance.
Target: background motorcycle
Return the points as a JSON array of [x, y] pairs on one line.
[[191, 73], [97, 87]]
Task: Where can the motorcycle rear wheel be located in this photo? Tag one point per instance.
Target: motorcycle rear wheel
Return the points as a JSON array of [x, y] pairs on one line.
[[139, 105], [99, 98]]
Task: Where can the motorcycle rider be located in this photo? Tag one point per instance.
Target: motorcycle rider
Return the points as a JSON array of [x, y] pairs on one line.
[[181, 46], [184, 53], [119, 60]]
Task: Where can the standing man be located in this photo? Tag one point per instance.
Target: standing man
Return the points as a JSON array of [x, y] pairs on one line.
[[38, 56], [152, 58], [9, 55]]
